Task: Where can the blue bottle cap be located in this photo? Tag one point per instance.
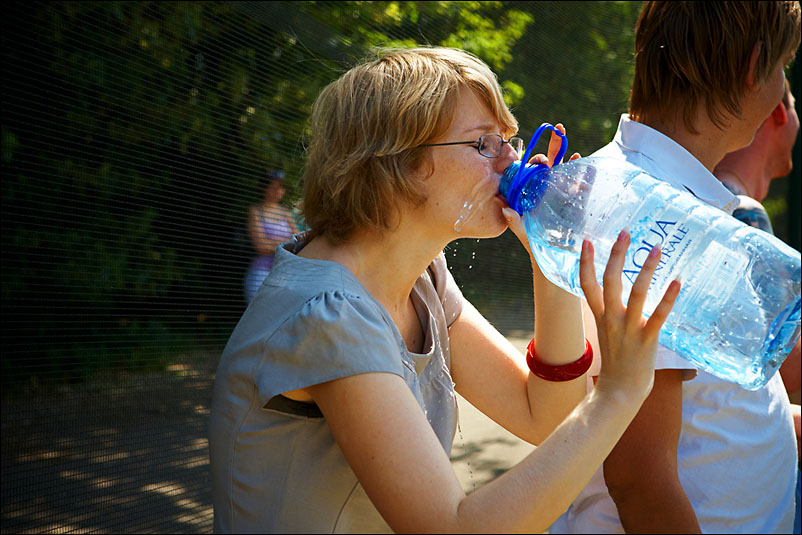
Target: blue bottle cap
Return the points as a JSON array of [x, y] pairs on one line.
[[525, 171]]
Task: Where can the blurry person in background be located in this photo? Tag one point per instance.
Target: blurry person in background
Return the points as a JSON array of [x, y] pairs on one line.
[[270, 224], [748, 172]]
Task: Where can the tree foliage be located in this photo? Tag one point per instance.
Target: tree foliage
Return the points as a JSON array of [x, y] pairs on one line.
[[134, 135]]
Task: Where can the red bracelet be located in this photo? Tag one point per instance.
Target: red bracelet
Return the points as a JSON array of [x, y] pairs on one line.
[[565, 372]]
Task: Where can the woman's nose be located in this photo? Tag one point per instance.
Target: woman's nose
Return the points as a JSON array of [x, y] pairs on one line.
[[508, 155]]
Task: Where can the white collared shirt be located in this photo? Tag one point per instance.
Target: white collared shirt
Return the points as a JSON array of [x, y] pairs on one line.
[[661, 156]]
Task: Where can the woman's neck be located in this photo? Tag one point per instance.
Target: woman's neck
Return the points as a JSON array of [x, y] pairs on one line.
[[385, 263]]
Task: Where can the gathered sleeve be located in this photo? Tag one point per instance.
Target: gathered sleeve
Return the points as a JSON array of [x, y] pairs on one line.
[[332, 335]]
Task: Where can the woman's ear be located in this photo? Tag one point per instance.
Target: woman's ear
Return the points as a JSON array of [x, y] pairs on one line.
[[425, 168]]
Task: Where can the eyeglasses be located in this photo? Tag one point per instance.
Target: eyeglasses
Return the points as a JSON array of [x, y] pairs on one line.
[[488, 145]]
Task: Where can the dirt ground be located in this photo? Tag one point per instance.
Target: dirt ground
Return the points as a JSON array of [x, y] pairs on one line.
[[130, 454]]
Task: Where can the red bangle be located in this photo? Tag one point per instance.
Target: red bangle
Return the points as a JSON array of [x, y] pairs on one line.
[[565, 372]]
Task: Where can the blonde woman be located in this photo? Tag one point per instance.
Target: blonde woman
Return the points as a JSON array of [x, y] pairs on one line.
[[334, 406]]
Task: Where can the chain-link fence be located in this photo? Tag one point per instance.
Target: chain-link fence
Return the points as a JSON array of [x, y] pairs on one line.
[[134, 135]]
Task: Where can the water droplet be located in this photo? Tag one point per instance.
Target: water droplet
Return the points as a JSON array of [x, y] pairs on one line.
[[483, 191], [464, 215]]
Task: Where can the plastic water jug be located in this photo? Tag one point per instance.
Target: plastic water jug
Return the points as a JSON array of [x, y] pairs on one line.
[[738, 313]]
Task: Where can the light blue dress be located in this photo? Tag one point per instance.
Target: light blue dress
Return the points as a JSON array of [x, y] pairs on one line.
[[274, 462]]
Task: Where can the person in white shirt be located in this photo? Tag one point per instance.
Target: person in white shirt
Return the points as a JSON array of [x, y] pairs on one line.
[[703, 454]]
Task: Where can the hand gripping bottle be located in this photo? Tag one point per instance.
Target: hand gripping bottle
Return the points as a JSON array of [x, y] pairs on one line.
[[738, 313]]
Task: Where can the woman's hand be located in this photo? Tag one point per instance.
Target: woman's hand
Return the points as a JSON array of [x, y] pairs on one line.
[[628, 341], [514, 220]]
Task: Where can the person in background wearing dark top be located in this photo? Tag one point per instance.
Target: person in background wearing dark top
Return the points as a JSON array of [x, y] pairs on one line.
[[334, 406], [703, 454], [748, 172], [270, 224]]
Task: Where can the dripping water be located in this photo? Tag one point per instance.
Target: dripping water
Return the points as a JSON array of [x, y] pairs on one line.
[[482, 192]]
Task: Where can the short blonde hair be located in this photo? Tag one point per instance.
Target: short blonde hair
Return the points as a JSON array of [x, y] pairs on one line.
[[692, 53], [367, 127]]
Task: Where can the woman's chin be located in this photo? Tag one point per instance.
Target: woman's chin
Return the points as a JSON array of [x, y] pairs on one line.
[[490, 227]]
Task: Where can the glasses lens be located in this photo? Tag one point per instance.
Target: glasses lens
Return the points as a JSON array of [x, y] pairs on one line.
[[490, 145], [517, 145]]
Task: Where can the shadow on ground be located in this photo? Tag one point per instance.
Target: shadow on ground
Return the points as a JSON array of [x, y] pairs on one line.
[[481, 468], [128, 454]]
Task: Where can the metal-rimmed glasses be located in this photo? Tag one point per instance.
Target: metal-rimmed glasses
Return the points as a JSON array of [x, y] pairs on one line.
[[488, 145]]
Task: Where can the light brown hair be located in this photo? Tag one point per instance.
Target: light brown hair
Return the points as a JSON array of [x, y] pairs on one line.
[[367, 126], [697, 53]]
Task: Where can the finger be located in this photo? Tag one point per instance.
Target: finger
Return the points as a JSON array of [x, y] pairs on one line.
[[661, 311], [538, 159], [612, 273], [640, 288], [555, 142], [516, 224], [587, 279]]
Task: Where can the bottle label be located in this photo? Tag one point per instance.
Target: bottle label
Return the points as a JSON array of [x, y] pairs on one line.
[[674, 238], [688, 253]]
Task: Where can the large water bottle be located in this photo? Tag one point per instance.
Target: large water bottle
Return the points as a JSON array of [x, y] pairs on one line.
[[738, 313]]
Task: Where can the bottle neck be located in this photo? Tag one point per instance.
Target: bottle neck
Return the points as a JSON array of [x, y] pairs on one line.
[[523, 187]]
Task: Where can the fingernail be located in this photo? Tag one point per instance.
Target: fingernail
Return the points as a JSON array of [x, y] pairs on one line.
[[621, 236], [507, 213], [654, 252]]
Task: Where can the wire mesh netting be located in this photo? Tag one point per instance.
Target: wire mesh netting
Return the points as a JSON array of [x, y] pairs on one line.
[[134, 138]]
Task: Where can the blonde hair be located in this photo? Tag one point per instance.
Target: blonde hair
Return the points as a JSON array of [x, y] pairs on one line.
[[367, 127], [689, 53]]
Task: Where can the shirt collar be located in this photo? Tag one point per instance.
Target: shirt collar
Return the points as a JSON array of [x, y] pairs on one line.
[[672, 163]]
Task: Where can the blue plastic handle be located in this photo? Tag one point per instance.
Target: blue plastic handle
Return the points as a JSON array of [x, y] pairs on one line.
[[520, 177]]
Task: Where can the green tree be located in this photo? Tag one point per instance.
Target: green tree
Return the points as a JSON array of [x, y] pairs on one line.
[[575, 64], [134, 136]]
